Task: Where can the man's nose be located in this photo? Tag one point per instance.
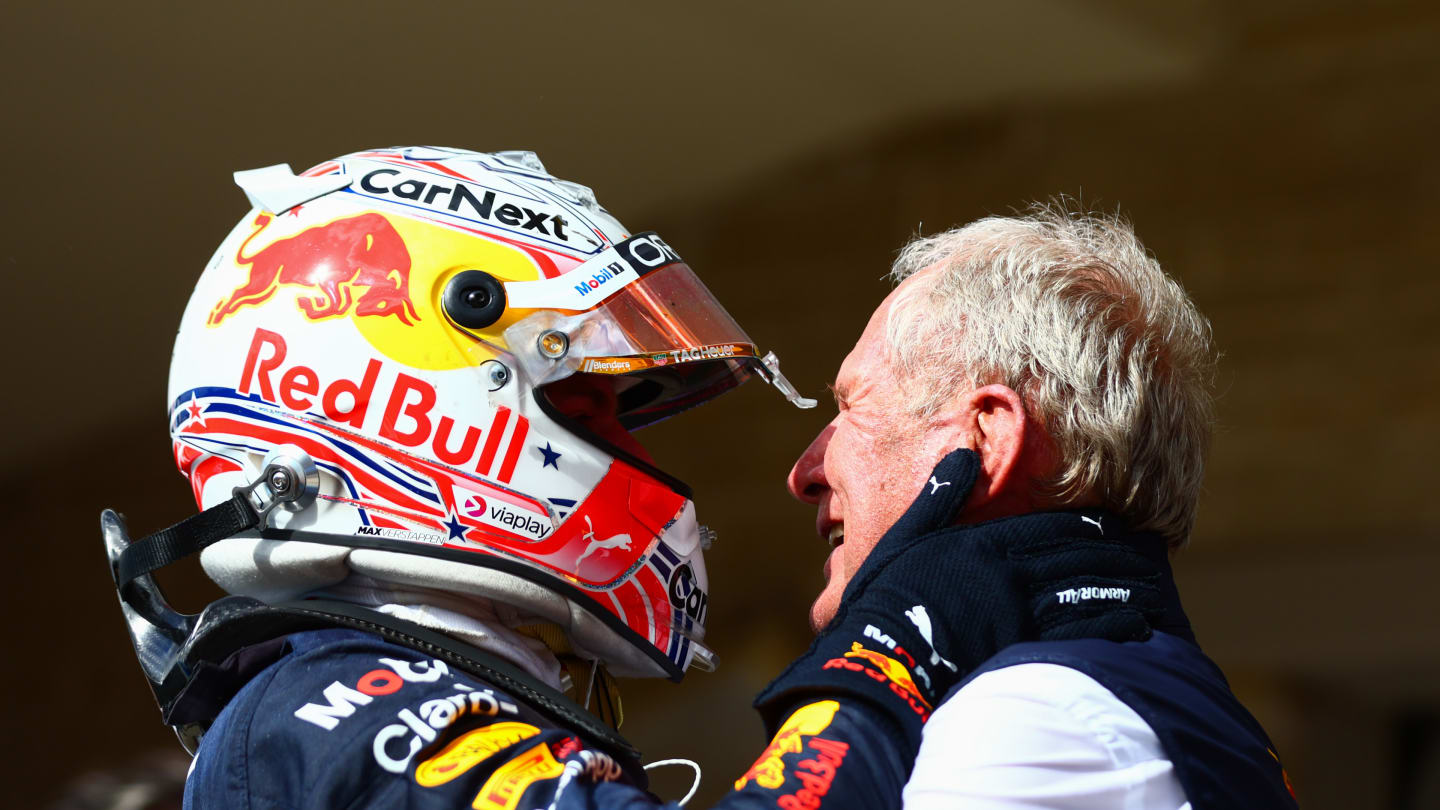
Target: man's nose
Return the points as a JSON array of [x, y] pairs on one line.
[[807, 478]]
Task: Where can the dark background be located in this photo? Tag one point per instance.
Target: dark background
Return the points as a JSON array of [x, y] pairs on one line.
[[1278, 157]]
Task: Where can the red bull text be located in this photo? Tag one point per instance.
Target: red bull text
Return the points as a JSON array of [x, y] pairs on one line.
[[408, 418]]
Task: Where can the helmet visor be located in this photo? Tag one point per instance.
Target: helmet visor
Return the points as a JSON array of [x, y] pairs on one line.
[[642, 317], [670, 344]]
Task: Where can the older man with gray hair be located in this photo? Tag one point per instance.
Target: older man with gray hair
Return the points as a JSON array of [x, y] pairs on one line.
[[1045, 387]]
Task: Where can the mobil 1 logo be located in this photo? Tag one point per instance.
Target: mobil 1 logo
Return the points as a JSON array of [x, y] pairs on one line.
[[627, 261]]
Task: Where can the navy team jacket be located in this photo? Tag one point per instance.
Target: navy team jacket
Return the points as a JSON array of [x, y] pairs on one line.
[[344, 719], [1221, 755]]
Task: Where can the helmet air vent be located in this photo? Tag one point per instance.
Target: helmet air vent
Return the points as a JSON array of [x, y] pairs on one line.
[[474, 299]]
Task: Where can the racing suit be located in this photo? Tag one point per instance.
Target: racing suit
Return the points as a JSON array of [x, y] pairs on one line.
[[342, 718]]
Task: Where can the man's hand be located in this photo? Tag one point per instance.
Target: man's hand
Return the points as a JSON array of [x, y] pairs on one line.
[[934, 601]]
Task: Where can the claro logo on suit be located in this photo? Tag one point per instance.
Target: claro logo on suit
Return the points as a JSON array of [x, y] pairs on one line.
[[396, 743]]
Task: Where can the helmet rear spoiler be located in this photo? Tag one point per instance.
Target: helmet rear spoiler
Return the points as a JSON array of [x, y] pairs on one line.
[[277, 188]]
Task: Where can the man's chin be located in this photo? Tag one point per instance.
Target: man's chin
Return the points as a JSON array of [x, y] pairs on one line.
[[824, 608]]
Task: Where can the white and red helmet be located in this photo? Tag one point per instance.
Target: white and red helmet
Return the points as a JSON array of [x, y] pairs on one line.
[[461, 343]]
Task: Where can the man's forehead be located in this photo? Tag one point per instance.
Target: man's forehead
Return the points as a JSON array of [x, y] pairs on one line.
[[868, 356]]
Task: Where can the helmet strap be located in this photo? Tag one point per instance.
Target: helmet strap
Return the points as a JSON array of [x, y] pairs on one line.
[[289, 481]]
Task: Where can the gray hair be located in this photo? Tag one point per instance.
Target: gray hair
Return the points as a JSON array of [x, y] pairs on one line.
[[1108, 353]]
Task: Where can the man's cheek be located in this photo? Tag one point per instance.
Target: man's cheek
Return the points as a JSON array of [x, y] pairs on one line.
[[860, 542], [852, 556]]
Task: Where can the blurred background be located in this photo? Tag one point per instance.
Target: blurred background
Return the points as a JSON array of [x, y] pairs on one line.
[[1278, 157]]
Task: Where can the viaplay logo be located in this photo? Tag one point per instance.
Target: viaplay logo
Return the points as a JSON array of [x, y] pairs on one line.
[[334, 261], [474, 507]]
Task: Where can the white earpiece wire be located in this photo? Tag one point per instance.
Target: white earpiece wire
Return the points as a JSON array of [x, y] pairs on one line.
[[694, 765]]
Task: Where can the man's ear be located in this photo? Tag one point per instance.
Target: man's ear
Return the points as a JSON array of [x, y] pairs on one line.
[[991, 420]]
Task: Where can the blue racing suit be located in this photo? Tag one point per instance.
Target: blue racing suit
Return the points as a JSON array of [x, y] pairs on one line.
[[342, 718]]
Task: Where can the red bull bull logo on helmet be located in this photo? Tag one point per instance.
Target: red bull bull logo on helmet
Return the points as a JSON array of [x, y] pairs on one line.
[[335, 261]]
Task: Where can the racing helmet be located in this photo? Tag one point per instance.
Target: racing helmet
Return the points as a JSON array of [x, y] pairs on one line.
[[451, 348]]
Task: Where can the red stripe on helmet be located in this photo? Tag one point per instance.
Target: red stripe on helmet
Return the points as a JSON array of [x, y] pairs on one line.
[[517, 442]]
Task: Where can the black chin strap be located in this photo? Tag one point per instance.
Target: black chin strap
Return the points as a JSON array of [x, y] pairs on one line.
[[150, 554], [289, 480]]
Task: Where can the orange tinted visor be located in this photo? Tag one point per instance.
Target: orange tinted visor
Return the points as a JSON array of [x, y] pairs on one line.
[[672, 342], [665, 317], [638, 316]]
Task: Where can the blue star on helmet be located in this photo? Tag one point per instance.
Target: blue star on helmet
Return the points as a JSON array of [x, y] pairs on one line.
[[453, 524], [552, 457], [566, 504]]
